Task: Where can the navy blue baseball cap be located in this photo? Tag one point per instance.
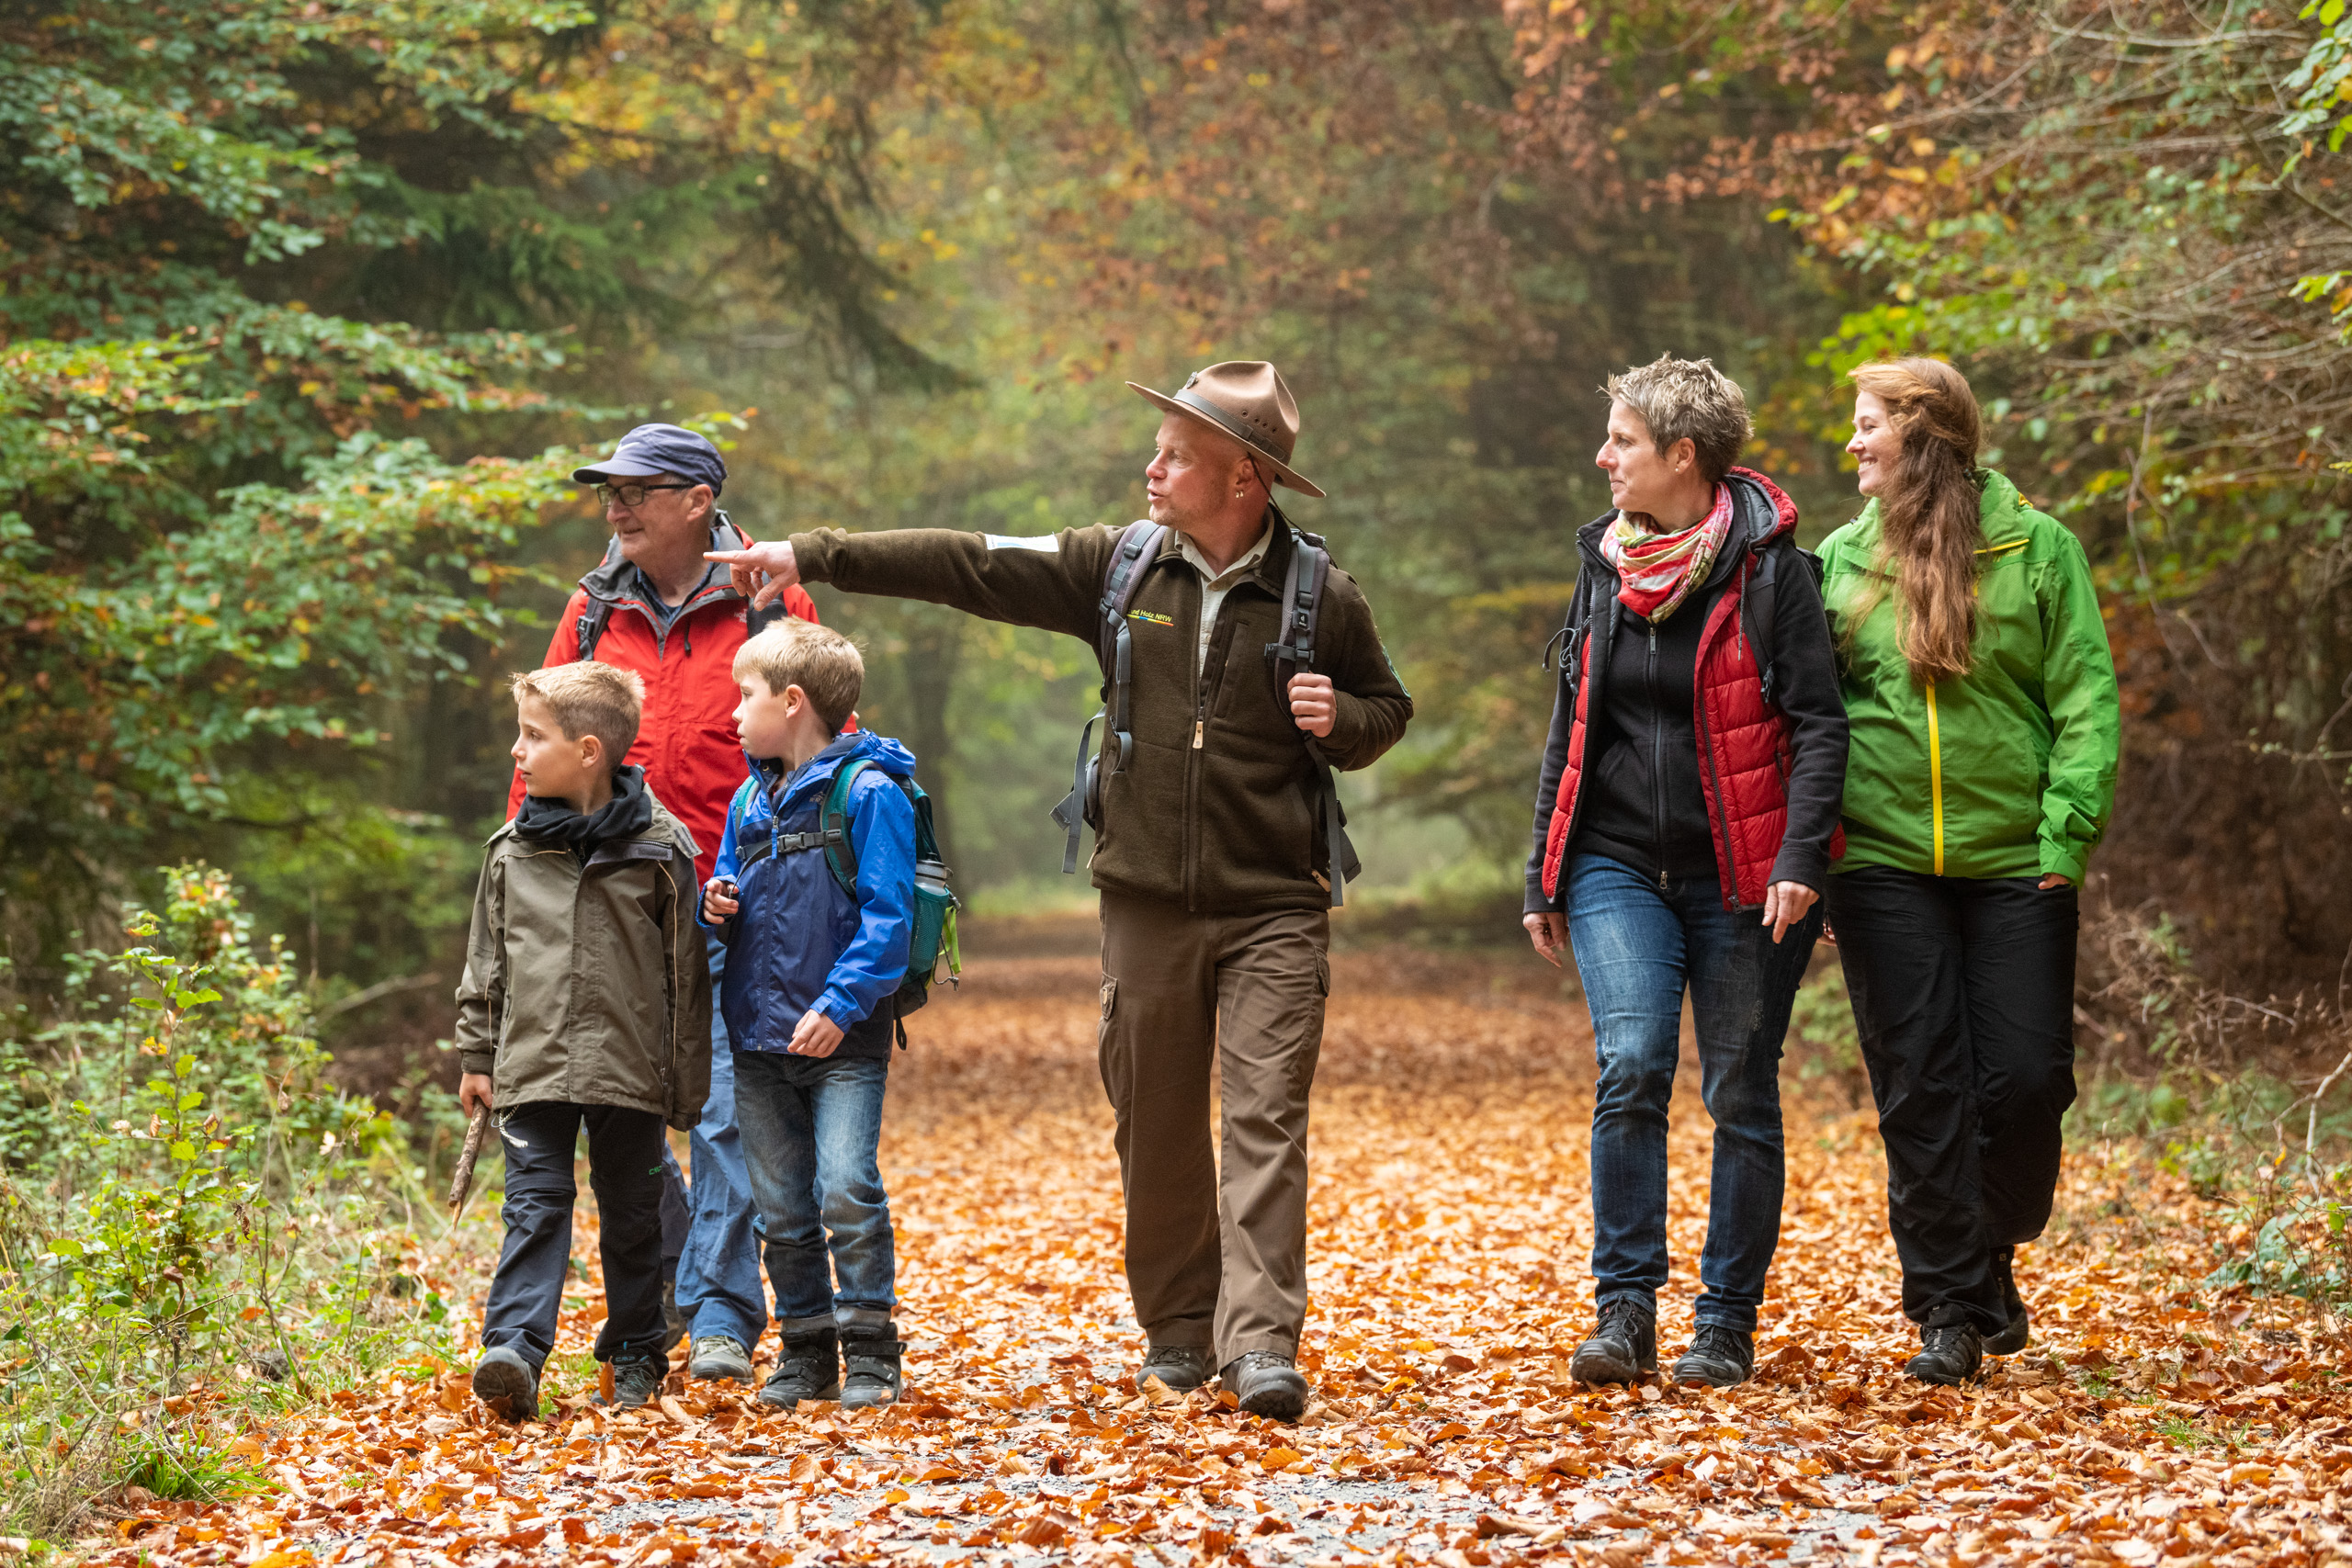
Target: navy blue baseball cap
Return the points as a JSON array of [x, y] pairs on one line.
[[652, 449]]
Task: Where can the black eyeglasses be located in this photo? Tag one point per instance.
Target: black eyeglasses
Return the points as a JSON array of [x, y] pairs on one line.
[[630, 496]]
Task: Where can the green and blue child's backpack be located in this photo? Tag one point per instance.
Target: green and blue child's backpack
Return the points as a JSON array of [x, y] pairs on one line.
[[934, 940]]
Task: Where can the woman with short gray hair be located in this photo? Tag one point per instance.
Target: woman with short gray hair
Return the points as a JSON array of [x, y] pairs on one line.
[[1684, 826]]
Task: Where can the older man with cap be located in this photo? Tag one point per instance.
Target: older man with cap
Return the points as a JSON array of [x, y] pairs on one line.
[[1215, 847], [657, 607]]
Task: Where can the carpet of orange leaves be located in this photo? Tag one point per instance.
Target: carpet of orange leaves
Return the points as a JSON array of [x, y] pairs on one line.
[[2150, 1420]]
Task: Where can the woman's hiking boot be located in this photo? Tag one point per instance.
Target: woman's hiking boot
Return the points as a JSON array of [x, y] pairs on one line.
[[870, 1353], [1183, 1368], [674, 1321], [808, 1366], [505, 1382], [1719, 1357], [1623, 1349], [637, 1380], [2019, 1331], [720, 1358], [1951, 1350], [1266, 1384]]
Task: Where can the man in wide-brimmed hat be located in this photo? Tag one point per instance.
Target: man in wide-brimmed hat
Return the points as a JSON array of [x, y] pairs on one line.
[[1214, 842]]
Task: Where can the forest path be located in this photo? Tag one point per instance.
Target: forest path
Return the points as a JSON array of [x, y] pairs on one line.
[[1450, 1232]]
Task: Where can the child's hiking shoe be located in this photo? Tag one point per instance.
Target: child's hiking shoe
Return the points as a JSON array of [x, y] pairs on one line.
[[1183, 1368], [720, 1358], [636, 1382], [870, 1353], [808, 1366], [505, 1382]]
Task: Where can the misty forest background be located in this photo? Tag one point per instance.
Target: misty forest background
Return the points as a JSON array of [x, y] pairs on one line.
[[306, 305]]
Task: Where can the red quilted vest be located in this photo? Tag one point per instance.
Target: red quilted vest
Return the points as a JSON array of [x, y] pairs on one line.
[[1742, 741]]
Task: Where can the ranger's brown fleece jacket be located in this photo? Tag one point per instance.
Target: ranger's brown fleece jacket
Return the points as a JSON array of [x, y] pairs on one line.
[[1213, 811]]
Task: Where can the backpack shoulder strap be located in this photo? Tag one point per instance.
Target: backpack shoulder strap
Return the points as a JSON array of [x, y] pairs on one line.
[[1137, 546], [591, 627], [841, 850], [1294, 652], [1759, 604]]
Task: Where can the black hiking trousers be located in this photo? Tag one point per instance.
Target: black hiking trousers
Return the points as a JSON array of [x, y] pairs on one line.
[[1964, 993], [625, 1150]]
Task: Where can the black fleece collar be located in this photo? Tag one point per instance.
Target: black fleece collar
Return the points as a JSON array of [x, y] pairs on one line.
[[625, 815]]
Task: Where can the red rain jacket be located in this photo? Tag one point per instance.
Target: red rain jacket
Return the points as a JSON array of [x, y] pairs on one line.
[[685, 741]]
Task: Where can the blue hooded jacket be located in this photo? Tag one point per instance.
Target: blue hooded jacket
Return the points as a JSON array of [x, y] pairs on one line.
[[798, 940]]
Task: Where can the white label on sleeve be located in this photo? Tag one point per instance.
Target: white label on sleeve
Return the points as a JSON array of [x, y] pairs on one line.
[[1043, 544]]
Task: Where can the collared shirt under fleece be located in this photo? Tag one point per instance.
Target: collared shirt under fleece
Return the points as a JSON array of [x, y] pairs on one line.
[[1216, 585]]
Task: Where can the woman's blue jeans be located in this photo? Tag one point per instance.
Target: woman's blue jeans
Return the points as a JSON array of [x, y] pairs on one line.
[[1639, 946]]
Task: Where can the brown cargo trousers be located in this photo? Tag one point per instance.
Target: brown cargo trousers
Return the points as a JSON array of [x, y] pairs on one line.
[[1213, 1260]]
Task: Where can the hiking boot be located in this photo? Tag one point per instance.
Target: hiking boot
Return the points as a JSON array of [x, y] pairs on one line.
[[870, 1353], [637, 1380], [1267, 1385], [1719, 1357], [1623, 1349], [720, 1358], [1183, 1368], [1952, 1348], [674, 1321], [505, 1382], [808, 1366], [2017, 1332]]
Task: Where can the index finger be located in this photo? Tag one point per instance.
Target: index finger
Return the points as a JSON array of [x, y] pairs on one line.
[[731, 557]]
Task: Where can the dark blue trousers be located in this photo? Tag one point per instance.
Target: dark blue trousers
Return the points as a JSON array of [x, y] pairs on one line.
[[625, 1172]]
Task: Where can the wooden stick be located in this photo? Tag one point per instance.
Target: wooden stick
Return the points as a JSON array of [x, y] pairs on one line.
[[461, 1181]]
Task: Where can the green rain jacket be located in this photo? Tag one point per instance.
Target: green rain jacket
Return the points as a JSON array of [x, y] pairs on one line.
[[2010, 769]]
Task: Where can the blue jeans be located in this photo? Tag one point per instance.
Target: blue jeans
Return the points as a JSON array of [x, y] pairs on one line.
[[718, 1268], [1638, 947], [811, 1127]]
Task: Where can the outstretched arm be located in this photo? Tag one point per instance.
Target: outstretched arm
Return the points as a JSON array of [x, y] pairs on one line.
[[1051, 581]]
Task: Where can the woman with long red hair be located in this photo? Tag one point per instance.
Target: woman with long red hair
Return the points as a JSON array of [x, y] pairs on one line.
[[1980, 700]]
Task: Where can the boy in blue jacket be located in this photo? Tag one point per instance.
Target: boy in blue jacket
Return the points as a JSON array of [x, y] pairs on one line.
[[811, 973]]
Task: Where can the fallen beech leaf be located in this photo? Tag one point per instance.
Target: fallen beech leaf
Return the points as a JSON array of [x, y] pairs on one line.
[[1043, 1532], [1492, 1525]]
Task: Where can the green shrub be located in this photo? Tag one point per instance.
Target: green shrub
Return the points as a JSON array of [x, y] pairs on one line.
[[193, 1218]]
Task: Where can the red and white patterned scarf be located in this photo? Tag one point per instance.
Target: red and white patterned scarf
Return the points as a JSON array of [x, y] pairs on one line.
[[1656, 572]]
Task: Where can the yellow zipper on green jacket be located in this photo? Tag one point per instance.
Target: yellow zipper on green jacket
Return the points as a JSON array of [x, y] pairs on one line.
[[1936, 777]]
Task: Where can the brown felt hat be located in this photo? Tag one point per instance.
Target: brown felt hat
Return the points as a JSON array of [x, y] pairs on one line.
[[1246, 399]]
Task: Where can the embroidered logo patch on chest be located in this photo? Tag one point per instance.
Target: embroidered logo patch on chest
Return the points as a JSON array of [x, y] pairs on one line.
[[1147, 615]]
